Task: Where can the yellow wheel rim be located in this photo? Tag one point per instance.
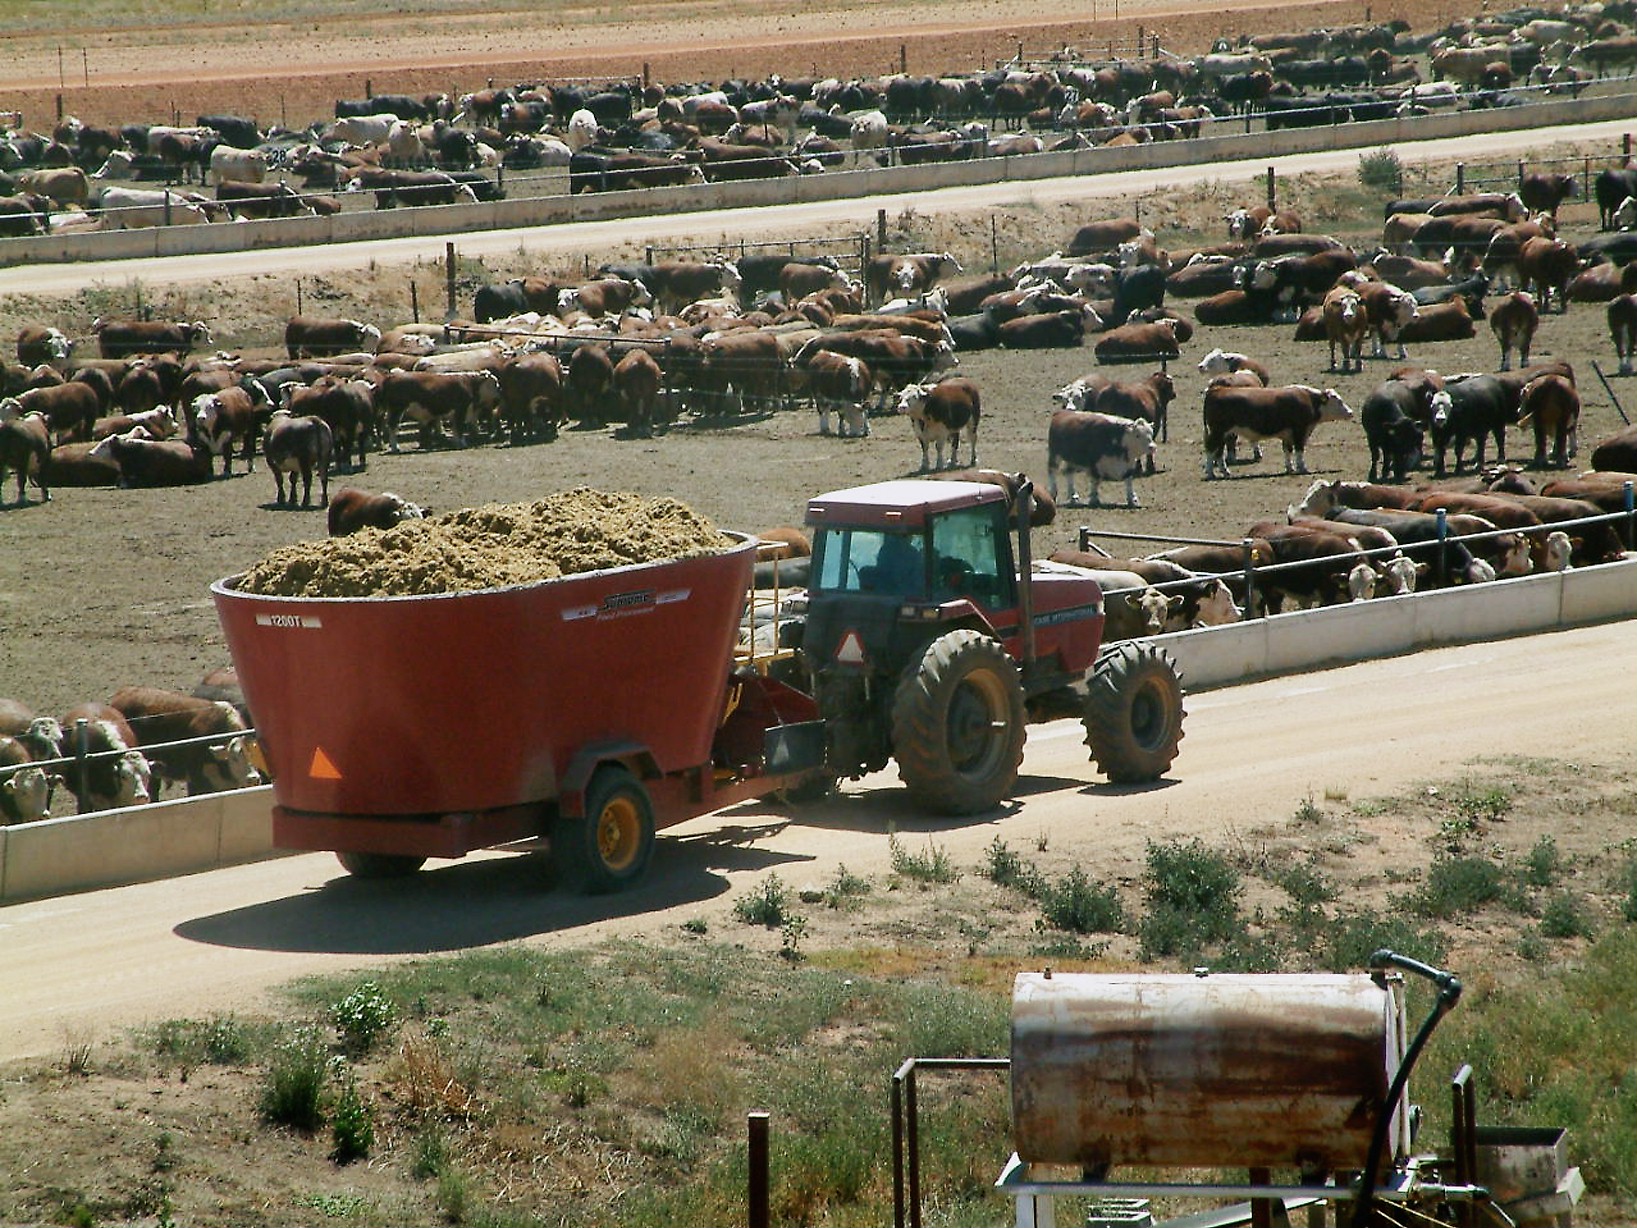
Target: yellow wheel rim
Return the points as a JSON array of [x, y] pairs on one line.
[[619, 833]]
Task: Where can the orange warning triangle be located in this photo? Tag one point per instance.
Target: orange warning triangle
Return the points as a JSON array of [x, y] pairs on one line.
[[321, 768]]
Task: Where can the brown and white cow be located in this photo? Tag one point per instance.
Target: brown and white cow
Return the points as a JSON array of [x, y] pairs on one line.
[[352, 509], [25, 786], [1551, 406], [25, 450], [71, 409], [531, 397], [841, 383], [1622, 316], [637, 383], [215, 754], [939, 413], [606, 296], [299, 447], [327, 336], [116, 773], [348, 405], [1546, 266], [233, 415], [1226, 362], [122, 338], [1149, 399], [1151, 341], [907, 274], [155, 462], [434, 397], [1287, 413], [1104, 448], [1514, 321], [1346, 323], [38, 345]]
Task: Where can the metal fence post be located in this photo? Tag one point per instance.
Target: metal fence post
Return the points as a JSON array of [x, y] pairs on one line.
[[1443, 546], [1250, 576], [82, 764], [756, 1123]]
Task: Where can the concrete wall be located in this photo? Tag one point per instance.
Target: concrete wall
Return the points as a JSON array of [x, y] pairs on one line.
[[137, 844], [1342, 634], [61, 856], [1224, 146]]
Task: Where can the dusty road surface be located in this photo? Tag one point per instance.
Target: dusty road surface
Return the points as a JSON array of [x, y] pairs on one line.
[[79, 967]]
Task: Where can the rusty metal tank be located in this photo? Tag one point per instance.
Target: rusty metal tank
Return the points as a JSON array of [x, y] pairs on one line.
[[1206, 1070]]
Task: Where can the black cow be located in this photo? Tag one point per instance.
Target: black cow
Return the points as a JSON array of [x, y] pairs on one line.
[[1480, 406], [1612, 186], [1391, 416], [1137, 290], [592, 171], [235, 130]]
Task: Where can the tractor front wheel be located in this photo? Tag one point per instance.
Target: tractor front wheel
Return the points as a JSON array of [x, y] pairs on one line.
[[1133, 712], [957, 724]]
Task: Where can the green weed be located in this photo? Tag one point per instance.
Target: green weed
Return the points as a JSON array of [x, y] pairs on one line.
[[1076, 904], [933, 866], [767, 905], [293, 1085]]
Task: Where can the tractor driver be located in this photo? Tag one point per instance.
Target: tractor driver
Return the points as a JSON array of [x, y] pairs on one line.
[[898, 565]]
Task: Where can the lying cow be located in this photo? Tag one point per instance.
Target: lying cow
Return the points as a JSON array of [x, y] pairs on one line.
[[352, 509]]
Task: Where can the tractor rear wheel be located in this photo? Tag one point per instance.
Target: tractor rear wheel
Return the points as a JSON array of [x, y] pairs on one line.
[[1133, 712], [608, 849], [379, 865], [957, 724]]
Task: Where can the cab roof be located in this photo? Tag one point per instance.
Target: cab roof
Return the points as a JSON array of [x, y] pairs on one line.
[[904, 503]]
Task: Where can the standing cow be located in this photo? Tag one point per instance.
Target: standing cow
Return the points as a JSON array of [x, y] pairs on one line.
[[1102, 447], [299, 447], [939, 413]]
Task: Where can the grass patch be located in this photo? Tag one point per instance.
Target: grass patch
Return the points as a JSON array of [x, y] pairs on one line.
[[932, 866], [1192, 897]]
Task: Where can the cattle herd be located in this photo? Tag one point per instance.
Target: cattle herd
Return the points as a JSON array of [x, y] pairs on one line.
[[639, 350], [397, 149]]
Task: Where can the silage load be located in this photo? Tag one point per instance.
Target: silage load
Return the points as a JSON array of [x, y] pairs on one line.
[[492, 546]]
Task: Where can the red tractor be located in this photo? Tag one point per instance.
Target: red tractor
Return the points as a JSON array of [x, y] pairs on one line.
[[930, 639]]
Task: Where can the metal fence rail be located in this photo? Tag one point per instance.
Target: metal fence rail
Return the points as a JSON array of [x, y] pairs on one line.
[[1252, 570]]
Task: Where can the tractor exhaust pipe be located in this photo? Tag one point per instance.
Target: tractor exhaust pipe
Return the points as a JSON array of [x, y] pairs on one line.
[[1023, 513]]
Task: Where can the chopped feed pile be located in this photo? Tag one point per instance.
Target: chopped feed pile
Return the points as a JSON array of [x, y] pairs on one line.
[[492, 546]]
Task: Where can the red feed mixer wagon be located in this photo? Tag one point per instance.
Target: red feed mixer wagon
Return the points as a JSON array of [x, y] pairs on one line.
[[597, 708]]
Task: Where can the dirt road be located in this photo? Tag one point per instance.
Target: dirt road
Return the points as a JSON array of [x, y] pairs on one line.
[[78, 967]]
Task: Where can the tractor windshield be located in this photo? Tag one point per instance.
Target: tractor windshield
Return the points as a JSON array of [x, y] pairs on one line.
[[870, 561], [972, 555]]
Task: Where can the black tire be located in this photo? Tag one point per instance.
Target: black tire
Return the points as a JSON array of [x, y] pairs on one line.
[[379, 865], [1133, 713], [957, 725], [609, 849]]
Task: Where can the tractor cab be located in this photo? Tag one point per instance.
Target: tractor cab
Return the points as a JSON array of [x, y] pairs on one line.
[[922, 606], [897, 562]]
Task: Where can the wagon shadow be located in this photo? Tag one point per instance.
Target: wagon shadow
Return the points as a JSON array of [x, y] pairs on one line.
[[475, 904]]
